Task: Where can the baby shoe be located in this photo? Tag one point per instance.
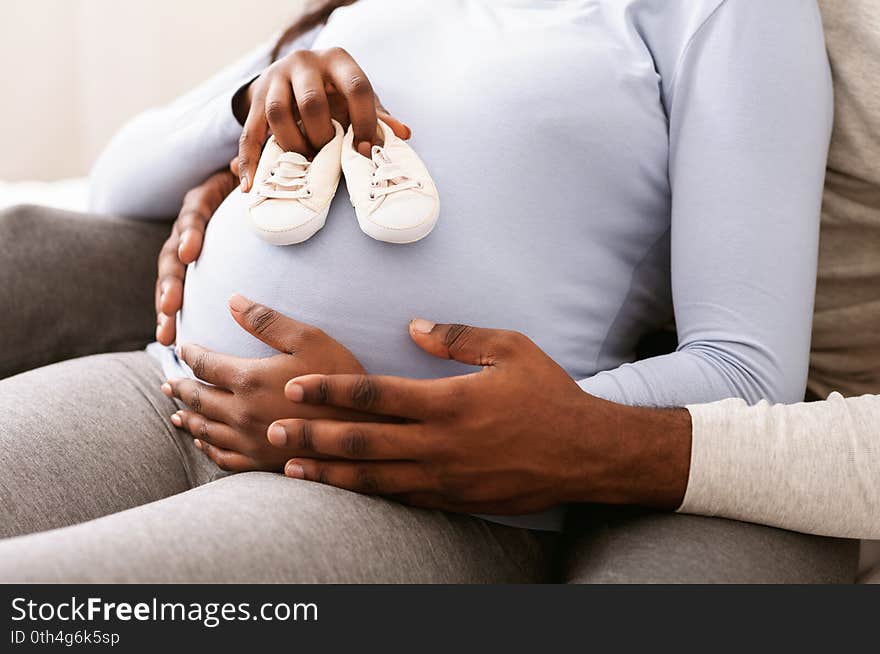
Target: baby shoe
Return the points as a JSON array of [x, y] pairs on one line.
[[292, 195], [392, 193]]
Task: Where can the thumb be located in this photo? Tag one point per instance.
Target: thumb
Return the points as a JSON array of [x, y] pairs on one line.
[[476, 346], [270, 326]]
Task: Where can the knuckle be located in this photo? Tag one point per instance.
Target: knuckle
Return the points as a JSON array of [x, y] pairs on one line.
[[321, 475], [366, 482], [512, 341], [199, 364], [310, 103], [300, 56], [336, 52], [457, 337], [354, 443], [261, 318], [276, 111], [323, 391], [245, 382], [246, 139], [364, 393], [359, 85], [195, 399], [244, 420], [306, 436]]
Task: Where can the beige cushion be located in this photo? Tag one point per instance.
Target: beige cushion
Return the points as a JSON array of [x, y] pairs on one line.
[[846, 329]]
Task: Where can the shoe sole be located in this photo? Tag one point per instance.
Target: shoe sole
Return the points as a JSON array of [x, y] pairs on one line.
[[401, 236]]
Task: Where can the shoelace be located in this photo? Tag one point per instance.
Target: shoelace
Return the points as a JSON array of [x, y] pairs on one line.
[[288, 179], [388, 177]]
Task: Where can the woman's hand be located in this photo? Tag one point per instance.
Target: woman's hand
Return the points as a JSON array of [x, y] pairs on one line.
[[517, 437], [296, 97], [184, 246], [229, 417]]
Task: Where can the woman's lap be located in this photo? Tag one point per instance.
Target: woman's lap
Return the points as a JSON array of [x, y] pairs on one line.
[[91, 437], [87, 437], [263, 527]]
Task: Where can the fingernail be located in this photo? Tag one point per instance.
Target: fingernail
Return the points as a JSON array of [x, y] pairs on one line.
[[239, 303], [177, 420], [277, 436], [294, 392], [422, 326], [294, 470], [408, 131], [167, 390], [244, 183], [365, 147], [198, 443]]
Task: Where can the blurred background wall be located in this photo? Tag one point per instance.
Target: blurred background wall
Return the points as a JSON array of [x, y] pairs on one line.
[[75, 70]]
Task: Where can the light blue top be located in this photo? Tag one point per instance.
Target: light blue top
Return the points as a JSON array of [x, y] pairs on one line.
[[602, 164]]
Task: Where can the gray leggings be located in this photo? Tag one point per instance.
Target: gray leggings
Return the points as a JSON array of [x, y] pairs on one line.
[[96, 485]]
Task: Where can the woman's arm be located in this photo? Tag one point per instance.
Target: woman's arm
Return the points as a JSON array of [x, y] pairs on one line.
[[164, 152], [750, 109], [811, 467]]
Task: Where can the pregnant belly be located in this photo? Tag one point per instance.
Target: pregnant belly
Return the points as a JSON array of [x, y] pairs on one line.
[[508, 274], [361, 292]]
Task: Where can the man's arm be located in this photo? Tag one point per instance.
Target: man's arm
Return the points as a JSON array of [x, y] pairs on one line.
[[809, 467]]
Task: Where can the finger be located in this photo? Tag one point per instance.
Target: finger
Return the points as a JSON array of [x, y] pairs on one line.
[[172, 296], [166, 329], [191, 242], [472, 345], [348, 440], [169, 268], [385, 478], [250, 145], [314, 109], [227, 459], [212, 367], [351, 81], [273, 328], [211, 402], [233, 166], [279, 115], [209, 431], [385, 395], [191, 223], [401, 130]]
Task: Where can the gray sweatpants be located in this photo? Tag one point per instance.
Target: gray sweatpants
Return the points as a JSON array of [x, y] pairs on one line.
[[97, 485]]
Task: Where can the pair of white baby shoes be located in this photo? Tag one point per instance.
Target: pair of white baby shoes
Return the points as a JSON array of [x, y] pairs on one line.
[[393, 195]]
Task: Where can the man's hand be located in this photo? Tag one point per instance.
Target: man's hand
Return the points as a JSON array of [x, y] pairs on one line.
[[517, 437], [229, 417], [184, 246]]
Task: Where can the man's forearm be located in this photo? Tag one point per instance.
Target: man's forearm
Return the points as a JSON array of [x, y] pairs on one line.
[[810, 467], [646, 459]]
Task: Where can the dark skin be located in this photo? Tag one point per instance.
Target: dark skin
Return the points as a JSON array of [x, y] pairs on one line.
[[230, 417], [296, 97], [517, 437]]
